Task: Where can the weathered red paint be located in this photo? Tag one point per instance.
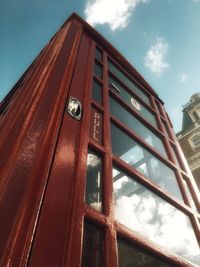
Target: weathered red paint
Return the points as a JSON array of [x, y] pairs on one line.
[[43, 154]]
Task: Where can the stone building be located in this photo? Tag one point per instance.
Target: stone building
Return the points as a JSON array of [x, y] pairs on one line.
[[189, 136]]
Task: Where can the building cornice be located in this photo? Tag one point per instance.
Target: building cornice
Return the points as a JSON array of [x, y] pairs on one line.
[[182, 134]]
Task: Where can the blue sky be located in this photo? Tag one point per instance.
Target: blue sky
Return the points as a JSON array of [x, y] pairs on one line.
[[160, 38]]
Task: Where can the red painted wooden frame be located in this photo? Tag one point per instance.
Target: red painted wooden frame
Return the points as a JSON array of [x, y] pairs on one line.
[[44, 155]]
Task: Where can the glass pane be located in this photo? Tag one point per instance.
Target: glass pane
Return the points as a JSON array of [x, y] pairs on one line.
[[128, 98], [134, 124], [193, 206], [137, 156], [176, 157], [149, 215], [130, 256], [97, 92], [93, 246], [126, 80], [160, 110], [98, 54], [93, 194], [98, 70], [166, 130]]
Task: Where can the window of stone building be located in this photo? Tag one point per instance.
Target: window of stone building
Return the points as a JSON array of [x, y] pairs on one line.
[[195, 115], [195, 141]]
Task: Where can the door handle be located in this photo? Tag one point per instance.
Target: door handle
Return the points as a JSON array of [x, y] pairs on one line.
[[74, 108]]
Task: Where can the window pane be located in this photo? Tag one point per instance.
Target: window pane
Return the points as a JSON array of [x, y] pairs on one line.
[[97, 92], [149, 215], [93, 246], [130, 256], [193, 206], [98, 70], [141, 159], [166, 129], [98, 54], [126, 80], [176, 157], [160, 109], [134, 124], [93, 194], [128, 98]]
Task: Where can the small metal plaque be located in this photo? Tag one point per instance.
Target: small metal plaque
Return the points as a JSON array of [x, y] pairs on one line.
[[74, 108]]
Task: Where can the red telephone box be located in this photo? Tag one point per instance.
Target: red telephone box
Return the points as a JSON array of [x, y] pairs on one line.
[[91, 172]]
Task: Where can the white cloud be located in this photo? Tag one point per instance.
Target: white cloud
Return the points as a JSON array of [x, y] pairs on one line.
[[155, 57], [115, 13], [183, 77]]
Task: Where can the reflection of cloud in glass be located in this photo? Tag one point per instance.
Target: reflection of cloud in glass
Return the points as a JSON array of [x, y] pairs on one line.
[[93, 160], [93, 181], [133, 155], [144, 212], [145, 162]]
